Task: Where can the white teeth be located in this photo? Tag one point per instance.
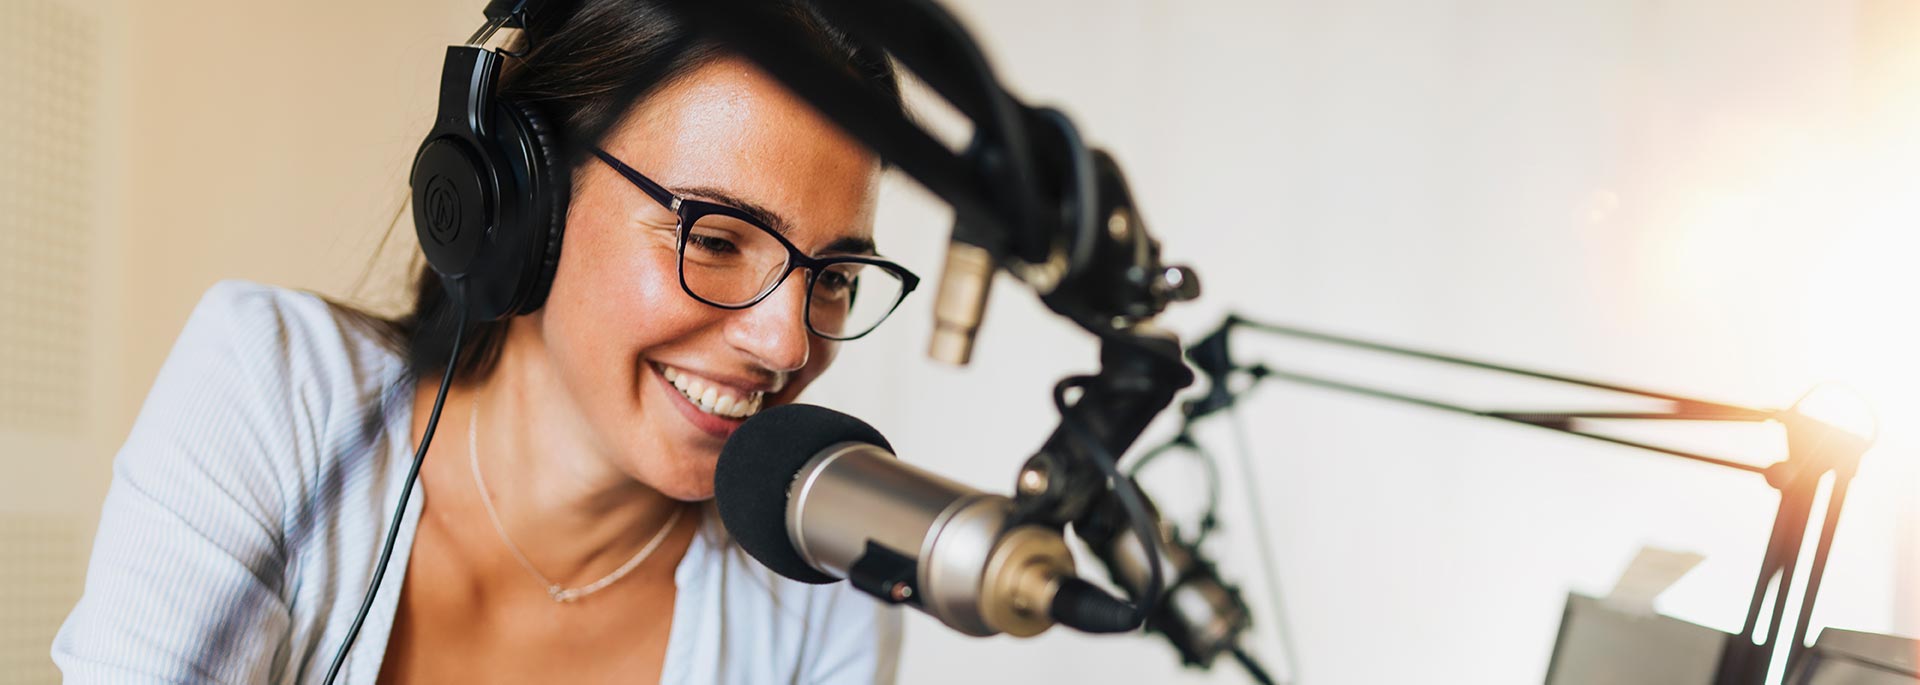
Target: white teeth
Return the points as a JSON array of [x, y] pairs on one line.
[[709, 398]]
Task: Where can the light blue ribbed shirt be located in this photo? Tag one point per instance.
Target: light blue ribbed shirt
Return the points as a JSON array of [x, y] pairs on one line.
[[249, 501]]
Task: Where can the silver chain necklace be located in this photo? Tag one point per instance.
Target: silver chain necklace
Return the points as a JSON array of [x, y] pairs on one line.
[[554, 590]]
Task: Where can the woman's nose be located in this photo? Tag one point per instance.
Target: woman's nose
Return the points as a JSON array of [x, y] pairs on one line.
[[774, 331]]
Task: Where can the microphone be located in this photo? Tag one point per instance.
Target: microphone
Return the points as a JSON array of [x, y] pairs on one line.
[[1201, 614], [818, 496], [960, 303]]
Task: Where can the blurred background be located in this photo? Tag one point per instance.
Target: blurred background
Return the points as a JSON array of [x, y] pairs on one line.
[[1710, 197]]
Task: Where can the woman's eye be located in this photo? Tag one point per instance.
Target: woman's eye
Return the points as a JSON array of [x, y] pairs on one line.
[[711, 244], [835, 283]]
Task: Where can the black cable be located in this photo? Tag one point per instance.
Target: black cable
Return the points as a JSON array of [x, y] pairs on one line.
[[1253, 667], [1210, 514], [1126, 490], [1179, 440], [457, 296], [1080, 605]]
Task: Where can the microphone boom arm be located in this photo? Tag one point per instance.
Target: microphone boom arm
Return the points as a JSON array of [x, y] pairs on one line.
[[1814, 449]]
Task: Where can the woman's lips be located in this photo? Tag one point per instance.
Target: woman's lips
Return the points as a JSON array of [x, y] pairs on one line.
[[716, 426]]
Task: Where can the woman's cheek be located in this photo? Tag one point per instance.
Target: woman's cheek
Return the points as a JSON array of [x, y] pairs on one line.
[[640, 294], [607, 309]]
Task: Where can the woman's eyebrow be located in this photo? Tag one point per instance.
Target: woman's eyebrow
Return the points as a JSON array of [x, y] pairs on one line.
[[853, 245], [762, 214]]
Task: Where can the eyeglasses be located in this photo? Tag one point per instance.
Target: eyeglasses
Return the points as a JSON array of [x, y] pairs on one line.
[[732, 260]]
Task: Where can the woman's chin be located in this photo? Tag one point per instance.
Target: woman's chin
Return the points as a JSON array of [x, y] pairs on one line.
[[690, 491], [689, 481]]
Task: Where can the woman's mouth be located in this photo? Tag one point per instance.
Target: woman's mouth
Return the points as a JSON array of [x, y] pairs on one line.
[[713, 407], [711, 397]]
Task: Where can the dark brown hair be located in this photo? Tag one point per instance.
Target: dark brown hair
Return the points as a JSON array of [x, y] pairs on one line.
[[579, 65]]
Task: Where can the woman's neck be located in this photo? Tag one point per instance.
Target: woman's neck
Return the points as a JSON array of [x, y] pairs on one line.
[[560, 498]]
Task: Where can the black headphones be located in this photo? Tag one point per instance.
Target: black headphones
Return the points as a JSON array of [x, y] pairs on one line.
[[490, 184], [489, 205]]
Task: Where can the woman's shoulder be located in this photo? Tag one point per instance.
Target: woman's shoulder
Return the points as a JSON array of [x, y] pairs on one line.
[[258, 445], [268, 384]]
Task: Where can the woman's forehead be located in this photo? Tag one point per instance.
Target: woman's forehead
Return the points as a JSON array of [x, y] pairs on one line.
[[728, 133]]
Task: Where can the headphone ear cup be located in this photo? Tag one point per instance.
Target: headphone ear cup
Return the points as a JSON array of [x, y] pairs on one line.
[[490, 209], [549, 188]]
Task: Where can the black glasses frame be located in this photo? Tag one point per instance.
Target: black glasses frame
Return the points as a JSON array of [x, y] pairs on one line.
[[690, 210]]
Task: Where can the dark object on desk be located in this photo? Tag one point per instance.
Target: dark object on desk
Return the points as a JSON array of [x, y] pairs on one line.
[[1850, 657]]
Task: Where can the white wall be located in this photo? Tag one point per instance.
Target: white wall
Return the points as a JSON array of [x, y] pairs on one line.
[[1711, 197]]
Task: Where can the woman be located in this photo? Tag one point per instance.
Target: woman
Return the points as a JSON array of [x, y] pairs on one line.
[[557, 534]]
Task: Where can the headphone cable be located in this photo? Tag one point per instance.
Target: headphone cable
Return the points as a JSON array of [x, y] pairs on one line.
[[456, 291]]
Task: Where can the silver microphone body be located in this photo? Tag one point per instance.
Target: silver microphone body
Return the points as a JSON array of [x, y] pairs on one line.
[[960, 303], [970, 570]]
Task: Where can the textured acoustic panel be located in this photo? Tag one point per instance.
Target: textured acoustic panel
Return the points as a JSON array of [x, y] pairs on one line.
[[40, 579], [49, 82]]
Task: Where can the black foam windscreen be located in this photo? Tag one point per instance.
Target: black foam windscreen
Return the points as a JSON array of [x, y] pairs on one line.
[[756, 471]]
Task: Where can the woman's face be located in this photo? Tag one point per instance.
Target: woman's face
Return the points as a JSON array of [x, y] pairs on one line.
[[617, 324]]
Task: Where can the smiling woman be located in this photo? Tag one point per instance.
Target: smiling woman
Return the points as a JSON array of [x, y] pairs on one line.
[[559, 535]]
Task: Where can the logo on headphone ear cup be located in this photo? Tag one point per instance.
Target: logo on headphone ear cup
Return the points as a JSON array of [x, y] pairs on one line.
[[443, 210], [451, 205]]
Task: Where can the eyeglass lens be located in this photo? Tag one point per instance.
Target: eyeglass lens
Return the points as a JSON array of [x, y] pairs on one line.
[[729, 262]]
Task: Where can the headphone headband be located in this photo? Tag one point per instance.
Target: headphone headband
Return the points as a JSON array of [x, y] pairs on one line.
[[510, 13]]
